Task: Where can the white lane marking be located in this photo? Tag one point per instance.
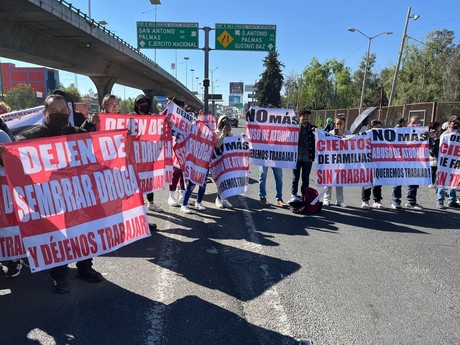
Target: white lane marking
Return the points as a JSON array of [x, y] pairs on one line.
[[271, 294]]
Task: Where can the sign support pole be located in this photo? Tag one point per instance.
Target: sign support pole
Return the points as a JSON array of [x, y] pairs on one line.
[[206, 49]]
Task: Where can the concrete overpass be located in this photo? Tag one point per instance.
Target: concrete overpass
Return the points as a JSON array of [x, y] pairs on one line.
[[55, 34]]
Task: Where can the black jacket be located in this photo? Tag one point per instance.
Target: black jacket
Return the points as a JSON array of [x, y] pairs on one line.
[[307, 145], [44, 130]]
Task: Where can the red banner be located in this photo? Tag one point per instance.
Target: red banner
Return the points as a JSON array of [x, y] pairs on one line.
[[151, 140], [75, 196], [195, 151], [11, 246]]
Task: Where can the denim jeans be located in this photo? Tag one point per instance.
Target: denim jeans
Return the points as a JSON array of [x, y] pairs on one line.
[[411, 194], [440, 195], [278, 174], [306, 169], [189, 190]]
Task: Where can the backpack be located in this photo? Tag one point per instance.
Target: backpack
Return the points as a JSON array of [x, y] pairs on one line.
[[310, 194], [302, 204]]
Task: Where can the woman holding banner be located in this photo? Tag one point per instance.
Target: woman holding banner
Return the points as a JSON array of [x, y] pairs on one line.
[[339, 131], [224, 129]]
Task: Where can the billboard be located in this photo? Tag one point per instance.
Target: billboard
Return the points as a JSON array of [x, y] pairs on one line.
[[236, 87], [249, 88], [233, 100]]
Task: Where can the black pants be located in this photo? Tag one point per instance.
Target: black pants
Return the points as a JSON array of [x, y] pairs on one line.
[[61, 272], [376, 191], [306, 169], [149, 197]]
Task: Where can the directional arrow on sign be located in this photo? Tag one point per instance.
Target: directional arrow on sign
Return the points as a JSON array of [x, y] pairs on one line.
[[270, 46], [142, 44]]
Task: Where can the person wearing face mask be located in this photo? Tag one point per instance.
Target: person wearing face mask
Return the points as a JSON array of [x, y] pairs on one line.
[[414, 121], [453, 127], [56, 123], [142, 106], [79, 119]]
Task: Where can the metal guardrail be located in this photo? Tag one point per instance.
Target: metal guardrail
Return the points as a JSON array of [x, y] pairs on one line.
[[107, 31]]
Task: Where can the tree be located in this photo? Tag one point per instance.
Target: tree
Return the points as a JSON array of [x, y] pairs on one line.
[[72, 91], [268, 88], [341, 92], [430, 70], [372, 89], [21, 97], [315, 85], [126, 106]]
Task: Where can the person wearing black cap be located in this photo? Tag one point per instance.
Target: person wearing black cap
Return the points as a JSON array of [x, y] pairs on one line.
[[453, 127], [143, 106]]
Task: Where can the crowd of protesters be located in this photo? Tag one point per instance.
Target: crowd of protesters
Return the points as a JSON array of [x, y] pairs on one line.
[[56, 122]]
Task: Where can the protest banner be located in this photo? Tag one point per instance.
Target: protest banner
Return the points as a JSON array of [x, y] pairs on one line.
[[448, 174], [179, 120], [343, 161], [273, 136], [149, 142], [209, 120], [400, 156], [230, 166], [195, 151], [75, 196], [21, 120], [11, 246]]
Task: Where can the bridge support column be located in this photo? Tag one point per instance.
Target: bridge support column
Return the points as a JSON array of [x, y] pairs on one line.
[[103, 86]]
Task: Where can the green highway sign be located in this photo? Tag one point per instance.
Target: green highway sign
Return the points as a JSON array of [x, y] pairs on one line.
[[163, 35], [245, 37]]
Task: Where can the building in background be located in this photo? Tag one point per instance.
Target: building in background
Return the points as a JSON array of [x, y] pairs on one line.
[[42, 79]]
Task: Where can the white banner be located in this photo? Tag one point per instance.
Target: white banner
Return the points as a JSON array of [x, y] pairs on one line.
[[273, 137], [448, 174], [230, 166]]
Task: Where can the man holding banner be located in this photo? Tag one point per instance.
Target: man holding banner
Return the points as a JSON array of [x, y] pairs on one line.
[[57, 123]]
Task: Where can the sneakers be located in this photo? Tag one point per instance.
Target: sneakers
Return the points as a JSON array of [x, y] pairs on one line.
[[61, 286], [326, 203], [154, 207], [413, 206], [172, 200], [281, 203], [342, 204], [264, 202], [440, 206], [365, 205], [90, 275], [395, 206], [199, 206], [378, 205], [219, 203], [185, 209], [451, 205], [431, 186], [14, 268], [227, 203]]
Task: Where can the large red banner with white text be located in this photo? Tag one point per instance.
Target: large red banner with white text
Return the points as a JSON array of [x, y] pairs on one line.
[[151, 139], [75, 196]]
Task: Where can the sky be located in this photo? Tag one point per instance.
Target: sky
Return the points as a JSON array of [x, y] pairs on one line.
[[304, 29]]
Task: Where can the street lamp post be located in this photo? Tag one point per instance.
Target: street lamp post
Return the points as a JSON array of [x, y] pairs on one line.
[[370, 38], [186, 58], [212, 90], [192, 70], [401, 48]]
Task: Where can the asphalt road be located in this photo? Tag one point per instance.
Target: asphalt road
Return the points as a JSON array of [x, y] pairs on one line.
[[256, 275]]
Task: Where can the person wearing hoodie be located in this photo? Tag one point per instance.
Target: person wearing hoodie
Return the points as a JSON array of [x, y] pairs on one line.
[[224, 129], [143, 106]]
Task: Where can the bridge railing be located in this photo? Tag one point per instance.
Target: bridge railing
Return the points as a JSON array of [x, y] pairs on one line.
[[107, 31]]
